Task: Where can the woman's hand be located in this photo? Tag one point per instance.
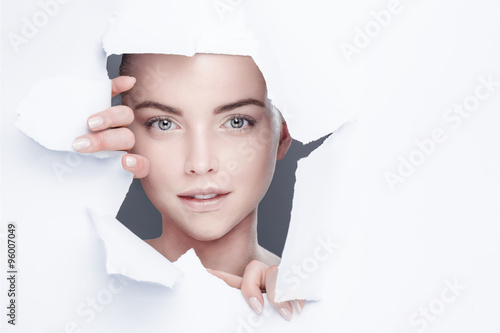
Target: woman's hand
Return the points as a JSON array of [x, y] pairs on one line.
[[259, 277], [110, 132]]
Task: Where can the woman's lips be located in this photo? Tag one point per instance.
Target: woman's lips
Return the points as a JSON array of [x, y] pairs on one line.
[[201, 203]]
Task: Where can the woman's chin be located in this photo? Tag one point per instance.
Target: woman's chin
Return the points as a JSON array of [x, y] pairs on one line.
[[209, 234]]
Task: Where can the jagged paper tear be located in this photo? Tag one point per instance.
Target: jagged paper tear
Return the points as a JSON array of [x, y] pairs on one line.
[[128, 255], [206, 26], [420, 258]]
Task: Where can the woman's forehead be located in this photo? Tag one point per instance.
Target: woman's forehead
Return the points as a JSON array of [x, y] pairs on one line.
[[205, 77], [204, 67]]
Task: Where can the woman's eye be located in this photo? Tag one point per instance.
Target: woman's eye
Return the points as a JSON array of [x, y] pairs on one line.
[[162, 124], [238, 122]]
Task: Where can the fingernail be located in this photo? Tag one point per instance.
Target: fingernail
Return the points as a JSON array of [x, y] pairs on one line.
[[297, 305], [130, 161], [95, 122], [81, 143], [285, 313], [256, 305]]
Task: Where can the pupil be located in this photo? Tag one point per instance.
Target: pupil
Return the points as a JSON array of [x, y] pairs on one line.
[[236, 122], [164, 124]]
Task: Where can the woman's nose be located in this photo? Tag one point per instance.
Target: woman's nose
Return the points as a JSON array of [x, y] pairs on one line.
[[201, 156]]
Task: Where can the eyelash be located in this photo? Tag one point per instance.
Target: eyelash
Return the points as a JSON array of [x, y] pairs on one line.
[[251, 121], [149, 123]]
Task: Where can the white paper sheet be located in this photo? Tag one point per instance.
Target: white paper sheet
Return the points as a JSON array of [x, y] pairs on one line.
[[410, 254]]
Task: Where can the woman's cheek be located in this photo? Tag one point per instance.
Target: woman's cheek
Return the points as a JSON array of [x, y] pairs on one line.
[[254, 159]]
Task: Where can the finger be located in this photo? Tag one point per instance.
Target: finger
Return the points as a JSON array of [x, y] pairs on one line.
[[121, 84], [137, 164], [253, 283], [285, 309], [111, 139], [299, 304], [116, 116], [232, 280]]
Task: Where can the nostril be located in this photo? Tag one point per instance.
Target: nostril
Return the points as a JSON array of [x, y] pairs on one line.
[[201, 166]]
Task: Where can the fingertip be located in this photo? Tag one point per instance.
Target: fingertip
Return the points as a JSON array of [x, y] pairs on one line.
[[136, 164], [298, 305], [95, 122], [81, 144], [130, 161], [130, 80], [121, 84], [285, 313], [256, 304], [125, 160]]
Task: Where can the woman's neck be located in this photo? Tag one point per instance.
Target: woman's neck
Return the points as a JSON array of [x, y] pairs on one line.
[[231, 253]]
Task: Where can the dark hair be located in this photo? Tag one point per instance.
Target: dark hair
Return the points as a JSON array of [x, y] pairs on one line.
[[126, 64], [126, 67]]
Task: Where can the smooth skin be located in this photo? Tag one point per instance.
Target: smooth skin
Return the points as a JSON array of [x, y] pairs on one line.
[[194, 163]]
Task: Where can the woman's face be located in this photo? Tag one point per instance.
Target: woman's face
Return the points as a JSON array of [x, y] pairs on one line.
[[202, 123]]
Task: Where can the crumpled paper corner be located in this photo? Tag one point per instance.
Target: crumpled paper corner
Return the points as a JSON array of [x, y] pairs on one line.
[[55, 111]]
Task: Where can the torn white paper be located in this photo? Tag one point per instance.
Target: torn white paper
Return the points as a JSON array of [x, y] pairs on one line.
[[128, 255], [253, 28], [413, 196]]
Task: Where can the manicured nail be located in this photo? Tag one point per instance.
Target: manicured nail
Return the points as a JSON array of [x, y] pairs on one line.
[[285, 313], [130, 161], [95, 122], [81, 143], [255, 303], [297, 305]]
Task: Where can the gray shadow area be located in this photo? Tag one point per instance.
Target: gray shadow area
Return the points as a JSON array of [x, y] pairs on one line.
[[276, 206]]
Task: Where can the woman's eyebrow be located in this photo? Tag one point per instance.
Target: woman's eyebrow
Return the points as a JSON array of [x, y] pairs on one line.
[[159, 106], [220, 109], [238, 104]]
